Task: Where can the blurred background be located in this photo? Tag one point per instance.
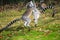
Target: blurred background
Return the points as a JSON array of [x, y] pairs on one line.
[[9, 4]]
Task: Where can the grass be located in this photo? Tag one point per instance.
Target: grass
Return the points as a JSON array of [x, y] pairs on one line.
[[48, 27]]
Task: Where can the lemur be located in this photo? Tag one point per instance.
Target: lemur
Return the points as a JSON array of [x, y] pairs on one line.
[[25, 17], [31, 9], [36, 14]]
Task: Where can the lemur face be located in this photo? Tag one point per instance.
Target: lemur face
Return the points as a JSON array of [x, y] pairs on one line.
[[31, 4]]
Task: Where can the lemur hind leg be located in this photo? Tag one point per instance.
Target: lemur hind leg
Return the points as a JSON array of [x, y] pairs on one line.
[[28, 24], [26, 21], [36, 20]]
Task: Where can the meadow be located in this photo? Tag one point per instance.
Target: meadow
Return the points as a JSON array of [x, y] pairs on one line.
[[48, 27]]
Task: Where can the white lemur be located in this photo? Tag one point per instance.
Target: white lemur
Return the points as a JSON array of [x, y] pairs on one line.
[[25, 17]]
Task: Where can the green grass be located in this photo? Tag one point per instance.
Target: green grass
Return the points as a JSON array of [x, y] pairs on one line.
[[48, 27]]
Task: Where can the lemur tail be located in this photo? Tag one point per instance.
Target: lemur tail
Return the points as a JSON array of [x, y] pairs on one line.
[[9, 24]]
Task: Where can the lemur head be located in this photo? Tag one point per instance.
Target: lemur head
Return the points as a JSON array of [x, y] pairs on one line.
[[30, 5]]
